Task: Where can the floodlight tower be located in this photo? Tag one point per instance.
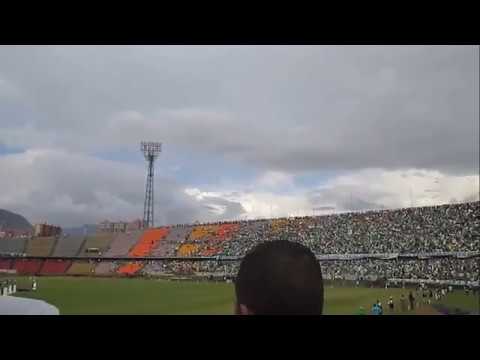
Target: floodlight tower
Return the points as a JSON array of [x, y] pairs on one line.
[[150, 150]]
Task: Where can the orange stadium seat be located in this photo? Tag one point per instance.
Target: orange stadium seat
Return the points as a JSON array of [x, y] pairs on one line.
[[130, 268], [148, 241]]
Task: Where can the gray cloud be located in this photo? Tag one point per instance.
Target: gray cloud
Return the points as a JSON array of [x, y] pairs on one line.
[[281, 108], [73, 189]]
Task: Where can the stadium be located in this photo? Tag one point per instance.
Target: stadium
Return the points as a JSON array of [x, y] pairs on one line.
[[189, 268], [362, 161]]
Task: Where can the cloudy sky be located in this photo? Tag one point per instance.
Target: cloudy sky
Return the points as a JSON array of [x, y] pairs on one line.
[[247, 131]]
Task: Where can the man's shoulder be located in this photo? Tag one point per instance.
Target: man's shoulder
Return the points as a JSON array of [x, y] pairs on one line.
[[12, 305]]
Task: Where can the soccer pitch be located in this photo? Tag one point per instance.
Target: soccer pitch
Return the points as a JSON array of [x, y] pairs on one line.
[[89, 295]]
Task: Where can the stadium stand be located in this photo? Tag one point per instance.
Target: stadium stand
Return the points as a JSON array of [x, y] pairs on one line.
[[40, 246], [106, 268], [148, 241], [68, 246], [168, 246], [5, 264], [453, 227], [203, 231], [12, 245], [207, 240], [123, 243], [426, 269], [130, 268], [100, 241], [55, 267], [82, 268], [406, 232], [27, 267], [188, 250], [120, 246]]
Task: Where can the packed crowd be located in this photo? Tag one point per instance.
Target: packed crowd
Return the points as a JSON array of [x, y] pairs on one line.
[[432, 269], [364, 269], [445, 228]]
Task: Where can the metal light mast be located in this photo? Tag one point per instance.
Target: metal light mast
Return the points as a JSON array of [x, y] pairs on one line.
[[150, 150]]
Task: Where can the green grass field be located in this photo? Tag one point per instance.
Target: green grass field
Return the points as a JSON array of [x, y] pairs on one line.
[[84, 295]]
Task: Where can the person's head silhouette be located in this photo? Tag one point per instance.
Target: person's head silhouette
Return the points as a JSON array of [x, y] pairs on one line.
[[279, 278]]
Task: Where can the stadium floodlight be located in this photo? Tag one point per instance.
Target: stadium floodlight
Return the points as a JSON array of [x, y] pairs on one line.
[[150, 150]]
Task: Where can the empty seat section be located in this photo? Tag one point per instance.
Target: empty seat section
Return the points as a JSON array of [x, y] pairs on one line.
[[68, 246], [40, 246], [28, 267], [81, 268], [5, 264], [12, 245], [55, 267], [99, 241], [122, 243], [105, 268]]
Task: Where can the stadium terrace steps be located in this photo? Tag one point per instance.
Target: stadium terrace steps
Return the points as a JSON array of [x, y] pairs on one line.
[[81, 268], [5, 264], [148, 241], [123, 243], [57, 238], [28, 267], [55, 267], [12, 245], [169, 245], [68, 246], [82, 246], [120, 246], [100, 241], [40, 246], [105, 268]]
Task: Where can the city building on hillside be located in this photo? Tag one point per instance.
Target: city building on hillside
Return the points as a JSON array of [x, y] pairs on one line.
[[8, 233], [135, 225], [119, 226], [105, 226], [44, 230]]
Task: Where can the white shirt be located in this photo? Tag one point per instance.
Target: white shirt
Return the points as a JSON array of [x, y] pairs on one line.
[[12, 305]]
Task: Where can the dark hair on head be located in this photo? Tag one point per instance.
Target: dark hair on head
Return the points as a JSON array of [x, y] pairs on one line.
[[280, 278]]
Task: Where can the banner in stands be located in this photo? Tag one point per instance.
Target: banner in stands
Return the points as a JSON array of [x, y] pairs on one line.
[[439, 282], [466, 255]]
